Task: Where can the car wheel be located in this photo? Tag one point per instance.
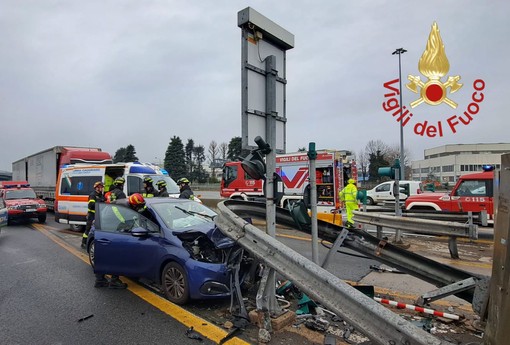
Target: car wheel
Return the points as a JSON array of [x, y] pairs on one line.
[[92, 252], [370, 201], [76, 227], [42, 218], [174, 283]]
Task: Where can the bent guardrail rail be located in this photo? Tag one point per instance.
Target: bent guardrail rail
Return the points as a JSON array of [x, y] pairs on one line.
[[375, 321], [422, 226], [433, 272]]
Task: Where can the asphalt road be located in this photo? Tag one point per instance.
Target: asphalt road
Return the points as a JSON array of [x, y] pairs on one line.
[[47, 297], [46, 288]]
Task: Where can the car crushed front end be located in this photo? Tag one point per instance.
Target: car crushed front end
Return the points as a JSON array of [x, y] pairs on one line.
[[213, 258]]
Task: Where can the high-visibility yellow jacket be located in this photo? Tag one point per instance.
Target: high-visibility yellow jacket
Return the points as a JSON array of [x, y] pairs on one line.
[[349, 193]]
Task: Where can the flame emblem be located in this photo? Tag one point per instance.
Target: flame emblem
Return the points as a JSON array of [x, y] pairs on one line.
[[434, 65]]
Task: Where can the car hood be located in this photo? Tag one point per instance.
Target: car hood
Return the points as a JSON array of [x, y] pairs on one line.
[[212, 232], [24, 202], [425, 196]]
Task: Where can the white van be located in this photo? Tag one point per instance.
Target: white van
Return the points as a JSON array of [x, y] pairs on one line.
[[384, 191], [75, 183]]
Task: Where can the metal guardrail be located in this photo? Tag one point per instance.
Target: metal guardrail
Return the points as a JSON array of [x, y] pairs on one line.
[[422, 226], [375, 321]]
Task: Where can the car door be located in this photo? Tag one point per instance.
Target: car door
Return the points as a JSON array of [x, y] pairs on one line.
[[384, 192], [3, 214], [117, 250], [474, 196]]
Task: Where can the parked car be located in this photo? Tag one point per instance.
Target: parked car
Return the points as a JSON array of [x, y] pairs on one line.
[[385, 191], [3, 214], [180, 248], [21, 201]]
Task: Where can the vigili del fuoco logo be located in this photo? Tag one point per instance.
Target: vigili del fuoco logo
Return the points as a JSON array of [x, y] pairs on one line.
[[433, 65]]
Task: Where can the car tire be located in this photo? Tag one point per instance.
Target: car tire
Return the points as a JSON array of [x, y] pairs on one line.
[[41, 219], [92, 252], [370, 201], [76, 227], [174, 283]]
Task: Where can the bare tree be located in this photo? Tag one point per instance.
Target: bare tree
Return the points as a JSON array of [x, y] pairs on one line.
[[362, 164], [213, 155], [224, 151], [374, 146], [394, 153]]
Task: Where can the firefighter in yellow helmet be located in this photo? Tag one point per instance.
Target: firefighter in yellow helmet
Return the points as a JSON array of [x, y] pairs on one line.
[[148, 189], [348, 196]]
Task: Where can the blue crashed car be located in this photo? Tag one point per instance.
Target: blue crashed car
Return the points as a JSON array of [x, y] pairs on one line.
[[179, 248]]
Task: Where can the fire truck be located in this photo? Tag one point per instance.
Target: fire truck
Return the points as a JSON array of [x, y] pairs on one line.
[[472, 193], [333, 169]]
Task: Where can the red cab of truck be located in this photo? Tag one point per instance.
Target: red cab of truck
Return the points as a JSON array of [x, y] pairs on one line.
[[472, 193], [21, 201]]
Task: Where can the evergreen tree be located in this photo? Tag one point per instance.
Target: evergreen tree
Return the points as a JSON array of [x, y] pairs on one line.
[[119, 155], [235, 148], [376, 160], [174, 159], [199, 174], [130, 154], [190, 146]]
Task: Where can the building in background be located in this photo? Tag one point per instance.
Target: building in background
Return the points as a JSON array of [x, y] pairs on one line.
[[5, 175], [446, 163]]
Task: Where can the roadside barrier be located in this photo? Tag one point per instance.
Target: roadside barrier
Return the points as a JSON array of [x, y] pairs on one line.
[[375, 321], [421, 226]]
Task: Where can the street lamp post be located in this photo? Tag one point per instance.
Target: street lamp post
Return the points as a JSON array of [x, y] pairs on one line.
[[400, 51]]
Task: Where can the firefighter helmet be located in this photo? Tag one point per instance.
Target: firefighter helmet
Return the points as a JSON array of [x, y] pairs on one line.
[[98, 184], [161, 183], [148, 180], [136, 200], [182, 180], [119, 181]]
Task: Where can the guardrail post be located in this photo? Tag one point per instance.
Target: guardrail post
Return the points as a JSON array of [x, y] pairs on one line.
[[483, 218], [452, 246], [338, 243], [379, 231]]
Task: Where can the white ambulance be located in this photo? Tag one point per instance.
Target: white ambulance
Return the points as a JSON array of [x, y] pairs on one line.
[[76, 182]]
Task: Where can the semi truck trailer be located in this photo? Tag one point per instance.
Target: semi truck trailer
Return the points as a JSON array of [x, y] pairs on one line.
[[41, 169]]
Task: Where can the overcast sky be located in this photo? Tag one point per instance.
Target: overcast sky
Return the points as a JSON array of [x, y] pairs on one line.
[[112, 73]]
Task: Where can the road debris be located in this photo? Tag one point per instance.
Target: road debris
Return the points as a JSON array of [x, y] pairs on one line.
[[85, 318], [382, 268], [417, 308], [190, 333]]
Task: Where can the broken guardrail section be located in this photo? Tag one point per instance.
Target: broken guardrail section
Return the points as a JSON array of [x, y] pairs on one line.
[[375, 321]]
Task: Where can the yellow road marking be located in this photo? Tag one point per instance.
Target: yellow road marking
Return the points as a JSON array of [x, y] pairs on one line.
[[180, 314]]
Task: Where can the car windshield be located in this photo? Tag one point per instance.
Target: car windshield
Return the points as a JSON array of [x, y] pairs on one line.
[[171, 186], [183, 215], [20, 194]]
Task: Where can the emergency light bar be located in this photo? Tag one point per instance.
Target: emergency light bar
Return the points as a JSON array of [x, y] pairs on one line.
[[488, 167], [14, 184]]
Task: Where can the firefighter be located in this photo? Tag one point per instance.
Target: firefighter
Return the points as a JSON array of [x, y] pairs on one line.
[[96, 196], [137, 203], [348, 196], [185, 189], [162, 192], [148, 189], [117, 190]]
